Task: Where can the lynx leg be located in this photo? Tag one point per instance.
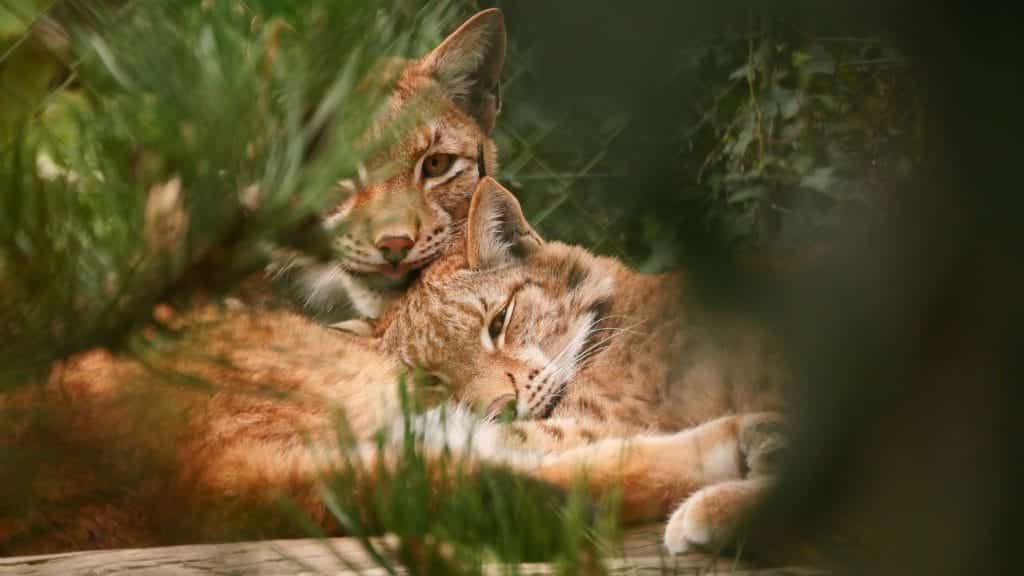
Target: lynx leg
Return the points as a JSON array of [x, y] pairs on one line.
[[713, 517], [653, 472], [762, 442]]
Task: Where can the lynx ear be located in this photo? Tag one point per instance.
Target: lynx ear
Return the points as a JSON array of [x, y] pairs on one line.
[[468, 65], [496, 232]]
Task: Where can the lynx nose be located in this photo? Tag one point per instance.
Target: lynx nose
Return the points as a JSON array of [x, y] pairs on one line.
[[394, 249]]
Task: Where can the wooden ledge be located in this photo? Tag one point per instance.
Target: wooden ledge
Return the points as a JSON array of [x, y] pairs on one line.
[[641, 555]]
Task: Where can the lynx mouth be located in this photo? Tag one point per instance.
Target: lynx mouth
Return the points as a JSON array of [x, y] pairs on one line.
[[387, 282], [392, 277], [403, 269], [393, 272]]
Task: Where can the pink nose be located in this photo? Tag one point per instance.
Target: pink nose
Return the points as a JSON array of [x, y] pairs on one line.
[[394, 249]]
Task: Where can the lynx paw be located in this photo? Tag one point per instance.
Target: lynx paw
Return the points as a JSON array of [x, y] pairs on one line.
[[712, 519], [700, 523], [683, 533], [762, 443]]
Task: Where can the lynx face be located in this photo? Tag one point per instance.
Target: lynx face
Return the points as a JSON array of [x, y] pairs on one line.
[[408, 202], [516, 319]]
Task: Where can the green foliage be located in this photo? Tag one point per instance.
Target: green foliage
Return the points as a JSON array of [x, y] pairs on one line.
[[762, 142], [177, 155], [796, 134]]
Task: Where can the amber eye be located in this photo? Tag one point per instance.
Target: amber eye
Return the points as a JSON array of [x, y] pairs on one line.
[[437, 164]]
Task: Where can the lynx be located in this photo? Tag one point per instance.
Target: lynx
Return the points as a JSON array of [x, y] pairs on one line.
[[410, 200], [193, 441], [580, 348], [200, 441], [236, 408]]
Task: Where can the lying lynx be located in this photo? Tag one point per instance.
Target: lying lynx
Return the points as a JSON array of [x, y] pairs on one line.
[[200, 443], [409, 200], [581, 348], [194, 442]]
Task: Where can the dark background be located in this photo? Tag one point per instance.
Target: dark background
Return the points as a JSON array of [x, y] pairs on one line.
[[903, 336]]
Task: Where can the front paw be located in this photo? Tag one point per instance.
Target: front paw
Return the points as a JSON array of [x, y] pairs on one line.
[[713, 519], [684, 531], [705, 522], [762, 442]]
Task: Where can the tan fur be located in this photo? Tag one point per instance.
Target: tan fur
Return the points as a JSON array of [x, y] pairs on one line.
[[443, 103], [650, 361], [713, 517], [602, 350], [197, 441], [191, 442], [194, 441], [654, 472]]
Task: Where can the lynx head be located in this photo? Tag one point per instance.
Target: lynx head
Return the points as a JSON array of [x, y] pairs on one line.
[[411, 197], [510, 321]]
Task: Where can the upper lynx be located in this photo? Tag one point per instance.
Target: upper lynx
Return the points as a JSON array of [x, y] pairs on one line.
[[410, 200]]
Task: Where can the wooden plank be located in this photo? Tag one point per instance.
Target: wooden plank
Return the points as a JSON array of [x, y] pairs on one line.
[[641, 555], [264, 557]]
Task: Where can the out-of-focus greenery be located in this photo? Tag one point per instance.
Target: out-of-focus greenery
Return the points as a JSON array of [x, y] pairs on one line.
[[170, 148], [763, 140], [796, 133]]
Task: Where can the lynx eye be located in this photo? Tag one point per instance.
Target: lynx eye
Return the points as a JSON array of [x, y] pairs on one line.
[[437, 164], [499, 323]]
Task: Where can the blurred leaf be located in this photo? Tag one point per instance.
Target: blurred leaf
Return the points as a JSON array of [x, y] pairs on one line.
[[820, 179], [742, 72], [821, 62], [745, 194], [187, 92]]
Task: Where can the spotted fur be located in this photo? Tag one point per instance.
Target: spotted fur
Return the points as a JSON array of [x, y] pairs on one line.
[[585, 335], [594, 353]]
